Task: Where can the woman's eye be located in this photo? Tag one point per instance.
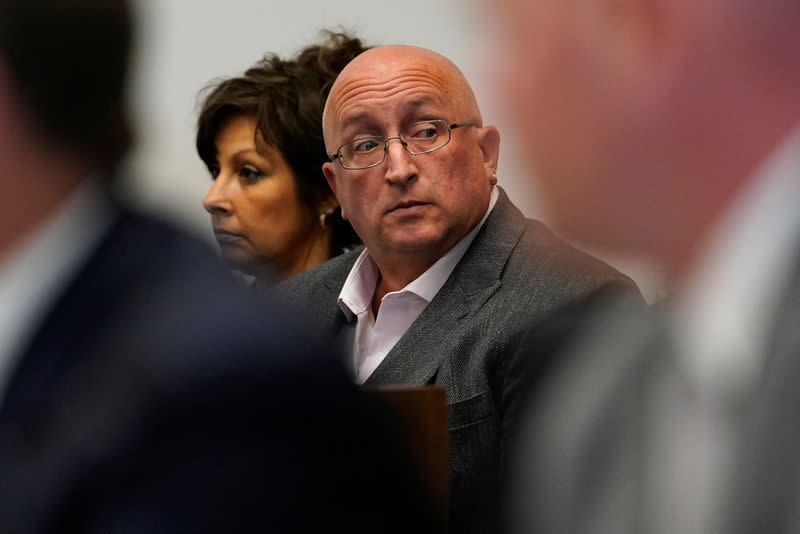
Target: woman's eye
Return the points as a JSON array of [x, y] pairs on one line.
[[214, 171], [251, 174], [365, 145]]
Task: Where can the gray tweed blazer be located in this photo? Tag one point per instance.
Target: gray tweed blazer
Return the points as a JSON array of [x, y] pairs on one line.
[[515, 274]]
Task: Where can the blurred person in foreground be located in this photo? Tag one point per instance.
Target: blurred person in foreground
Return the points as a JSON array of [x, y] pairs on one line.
[[260, 135], [668, 129], [452, 272], [141, 391]]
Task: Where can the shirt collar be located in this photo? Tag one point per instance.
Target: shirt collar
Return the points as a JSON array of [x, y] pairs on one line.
[[359, 287], [34, 273]]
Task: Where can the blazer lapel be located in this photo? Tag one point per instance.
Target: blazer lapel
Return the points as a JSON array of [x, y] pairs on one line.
[[335, 321], [416, 358]]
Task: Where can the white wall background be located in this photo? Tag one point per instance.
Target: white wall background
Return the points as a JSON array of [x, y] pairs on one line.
[[184, 44]]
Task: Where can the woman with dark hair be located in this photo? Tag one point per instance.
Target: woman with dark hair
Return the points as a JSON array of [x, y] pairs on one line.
[[260, 135]]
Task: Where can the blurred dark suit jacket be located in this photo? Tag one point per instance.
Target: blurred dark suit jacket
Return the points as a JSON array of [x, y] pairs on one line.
[[515, 274], [585, 457], [158, 398]]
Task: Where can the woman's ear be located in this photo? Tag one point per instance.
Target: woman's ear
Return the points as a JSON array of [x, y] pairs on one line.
[[328, 205]]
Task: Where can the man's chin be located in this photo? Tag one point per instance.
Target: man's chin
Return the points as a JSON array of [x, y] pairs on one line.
[[420, 243]]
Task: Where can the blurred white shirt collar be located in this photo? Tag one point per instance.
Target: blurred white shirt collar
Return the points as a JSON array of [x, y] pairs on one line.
[[376, 336], [34, 275], [723, 316]]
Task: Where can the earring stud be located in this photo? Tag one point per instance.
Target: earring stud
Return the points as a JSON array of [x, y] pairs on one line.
[[323, 217]]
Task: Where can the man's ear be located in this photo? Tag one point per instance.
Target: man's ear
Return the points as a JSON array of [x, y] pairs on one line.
[[489, 143], [330, 176]]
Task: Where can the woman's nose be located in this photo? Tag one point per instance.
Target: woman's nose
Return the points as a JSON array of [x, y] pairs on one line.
[[216, 201]]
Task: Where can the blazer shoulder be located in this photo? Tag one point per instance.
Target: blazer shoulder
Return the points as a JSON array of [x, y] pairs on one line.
[[569, 268]]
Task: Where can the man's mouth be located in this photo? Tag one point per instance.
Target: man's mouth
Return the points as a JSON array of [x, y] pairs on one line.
[[408, 206]]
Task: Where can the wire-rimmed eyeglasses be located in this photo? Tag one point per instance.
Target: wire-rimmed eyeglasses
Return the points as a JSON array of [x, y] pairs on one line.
[[419, 138]]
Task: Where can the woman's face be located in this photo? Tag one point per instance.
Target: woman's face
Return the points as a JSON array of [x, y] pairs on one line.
[[255, 209]]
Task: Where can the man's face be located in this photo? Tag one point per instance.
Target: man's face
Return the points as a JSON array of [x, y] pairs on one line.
[[569, 84], [410, 204]]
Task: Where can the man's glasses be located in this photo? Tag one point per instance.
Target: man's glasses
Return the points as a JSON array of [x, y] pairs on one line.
[[419, 138]]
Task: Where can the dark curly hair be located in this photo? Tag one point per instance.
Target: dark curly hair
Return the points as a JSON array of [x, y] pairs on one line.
[[287, 98]]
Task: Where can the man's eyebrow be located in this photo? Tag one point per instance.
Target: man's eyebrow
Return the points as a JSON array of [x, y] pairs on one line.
[[358, 118]]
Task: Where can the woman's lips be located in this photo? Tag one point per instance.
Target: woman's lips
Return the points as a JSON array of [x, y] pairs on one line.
[[225, 237]]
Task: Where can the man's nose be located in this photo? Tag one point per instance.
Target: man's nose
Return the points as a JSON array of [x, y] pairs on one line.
[[400, 167]]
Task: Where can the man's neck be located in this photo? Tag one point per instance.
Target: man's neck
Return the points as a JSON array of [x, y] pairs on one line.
[[315, 250], [396, 278], [33, 194]]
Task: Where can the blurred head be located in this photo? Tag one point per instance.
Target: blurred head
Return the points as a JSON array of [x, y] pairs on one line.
[[642, 119], [66, 61], [409, 208], [260, 135], [62, 111]]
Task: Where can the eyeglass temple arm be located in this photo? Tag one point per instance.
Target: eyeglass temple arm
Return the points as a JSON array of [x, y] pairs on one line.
[[461, 125]]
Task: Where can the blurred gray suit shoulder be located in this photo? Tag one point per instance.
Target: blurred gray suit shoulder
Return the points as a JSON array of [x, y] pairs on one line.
[[586, 459]]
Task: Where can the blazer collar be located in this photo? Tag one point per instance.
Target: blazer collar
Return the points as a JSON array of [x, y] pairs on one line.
[[333, 318]]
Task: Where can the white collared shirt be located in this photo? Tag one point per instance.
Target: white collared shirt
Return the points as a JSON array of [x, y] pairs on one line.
[[35, 272], [375, 336]]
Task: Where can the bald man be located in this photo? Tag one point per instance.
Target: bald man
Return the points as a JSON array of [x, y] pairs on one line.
[[669, 129], [452, 273]]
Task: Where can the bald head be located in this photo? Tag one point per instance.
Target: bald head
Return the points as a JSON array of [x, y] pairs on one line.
[[382, 68], [418, 167]]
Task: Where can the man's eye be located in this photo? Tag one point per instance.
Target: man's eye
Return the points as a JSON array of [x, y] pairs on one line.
[[365, 145], [250, 174], [425, 133]]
